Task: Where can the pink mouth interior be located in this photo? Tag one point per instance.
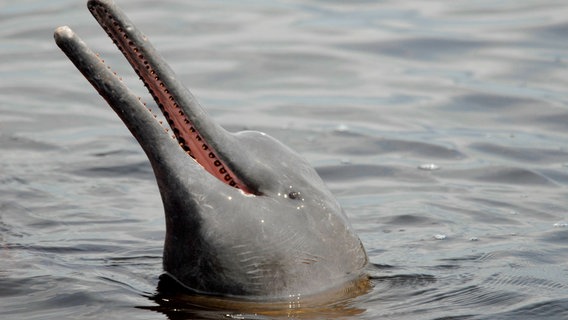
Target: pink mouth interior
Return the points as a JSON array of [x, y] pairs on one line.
[[186, 134]]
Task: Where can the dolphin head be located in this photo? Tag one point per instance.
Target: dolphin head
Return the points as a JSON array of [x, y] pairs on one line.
[[245, 215]]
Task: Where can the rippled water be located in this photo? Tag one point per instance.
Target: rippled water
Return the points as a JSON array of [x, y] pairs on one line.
[[440, 125]]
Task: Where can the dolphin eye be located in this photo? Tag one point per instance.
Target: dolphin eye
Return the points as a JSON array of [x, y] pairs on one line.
[[294, 195]]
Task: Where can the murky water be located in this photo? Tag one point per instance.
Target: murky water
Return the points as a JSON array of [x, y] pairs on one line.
[[441, 126]]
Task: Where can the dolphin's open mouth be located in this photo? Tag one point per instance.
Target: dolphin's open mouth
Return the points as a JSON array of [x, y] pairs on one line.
[[160, 79]]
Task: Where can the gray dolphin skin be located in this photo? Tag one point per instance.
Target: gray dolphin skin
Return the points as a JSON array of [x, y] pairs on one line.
[[246, 216]]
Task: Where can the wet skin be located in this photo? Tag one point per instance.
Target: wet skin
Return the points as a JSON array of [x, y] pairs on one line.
[[245, 215]]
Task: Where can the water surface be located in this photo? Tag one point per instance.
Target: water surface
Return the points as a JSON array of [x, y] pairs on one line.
[[440, 126]]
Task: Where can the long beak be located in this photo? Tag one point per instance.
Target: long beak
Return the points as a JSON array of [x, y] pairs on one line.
[[197, 134]]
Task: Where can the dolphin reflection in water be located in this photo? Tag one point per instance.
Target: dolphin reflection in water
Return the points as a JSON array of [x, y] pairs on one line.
[[246, 217]]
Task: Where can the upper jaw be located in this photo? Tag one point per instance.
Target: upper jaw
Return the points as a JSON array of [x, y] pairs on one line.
[[207, 142]]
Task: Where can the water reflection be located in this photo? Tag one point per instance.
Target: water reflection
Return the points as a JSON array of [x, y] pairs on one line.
[[177, 302]]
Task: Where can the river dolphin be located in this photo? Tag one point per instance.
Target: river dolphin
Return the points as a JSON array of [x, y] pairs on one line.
[[245, 215]]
